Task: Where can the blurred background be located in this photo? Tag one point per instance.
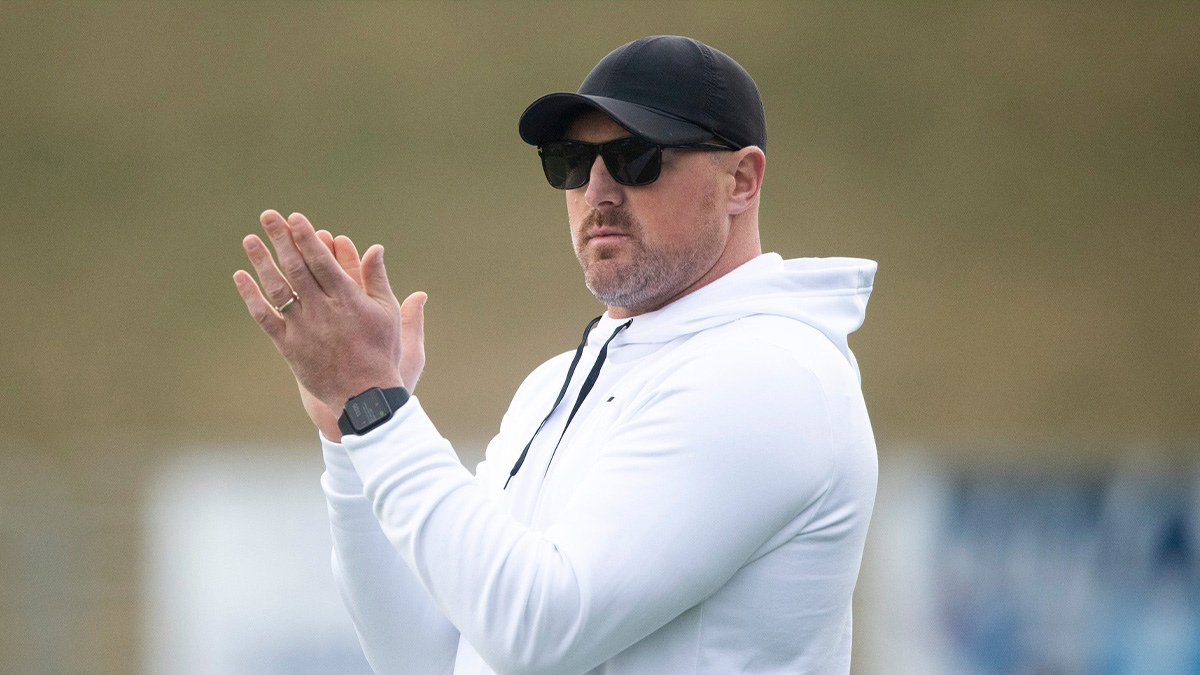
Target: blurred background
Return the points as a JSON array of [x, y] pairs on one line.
[[1026, 174]]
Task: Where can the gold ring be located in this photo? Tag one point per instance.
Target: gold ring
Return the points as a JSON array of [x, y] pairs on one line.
[[285, 306]]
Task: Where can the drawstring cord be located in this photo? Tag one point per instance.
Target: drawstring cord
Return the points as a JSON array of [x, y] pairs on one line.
[[588, 383]]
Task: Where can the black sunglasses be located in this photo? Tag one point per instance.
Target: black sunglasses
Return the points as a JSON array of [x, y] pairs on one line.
[[630, 160]]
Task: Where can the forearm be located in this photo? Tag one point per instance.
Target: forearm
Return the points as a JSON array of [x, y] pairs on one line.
[[475, 559], [399, 626]]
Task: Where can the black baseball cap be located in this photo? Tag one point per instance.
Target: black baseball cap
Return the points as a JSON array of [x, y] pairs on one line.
[[665, 89]]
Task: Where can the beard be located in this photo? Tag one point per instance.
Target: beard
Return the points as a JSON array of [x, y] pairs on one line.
[[633, 273]]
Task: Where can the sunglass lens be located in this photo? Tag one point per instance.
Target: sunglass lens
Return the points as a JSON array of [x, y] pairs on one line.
[[567, 165], [632, 161]]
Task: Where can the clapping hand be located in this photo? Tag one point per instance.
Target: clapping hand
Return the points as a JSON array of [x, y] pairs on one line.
[[331, 315]]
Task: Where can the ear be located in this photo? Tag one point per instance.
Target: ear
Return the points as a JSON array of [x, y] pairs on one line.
[[747, 178]]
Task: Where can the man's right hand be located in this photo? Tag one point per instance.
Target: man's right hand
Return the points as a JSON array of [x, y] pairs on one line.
[[412, 329]]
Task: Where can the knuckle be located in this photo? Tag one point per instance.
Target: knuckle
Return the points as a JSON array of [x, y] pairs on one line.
[[321, 264], [294, 267], [278, 288]]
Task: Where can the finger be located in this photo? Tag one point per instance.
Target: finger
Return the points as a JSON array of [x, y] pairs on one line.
[[375, 281], [277, 289], [290, 261], [319, 259], [347, 257], [412, 336], [326, 238], [262, 311]]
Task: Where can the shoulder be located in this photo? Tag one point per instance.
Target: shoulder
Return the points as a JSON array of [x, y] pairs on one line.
[[737, 407], [759, 351], [736, 378], [767, 376]]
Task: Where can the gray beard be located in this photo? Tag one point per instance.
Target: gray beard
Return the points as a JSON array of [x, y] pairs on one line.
[[653, 275], [632, 285]]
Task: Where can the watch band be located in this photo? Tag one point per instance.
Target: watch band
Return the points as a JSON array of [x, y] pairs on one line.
[[394, 397]]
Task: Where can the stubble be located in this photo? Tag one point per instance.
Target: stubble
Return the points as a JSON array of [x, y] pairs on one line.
[[638, 274]]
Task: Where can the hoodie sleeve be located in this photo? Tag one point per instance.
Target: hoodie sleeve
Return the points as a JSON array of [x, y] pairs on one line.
[[696, 478], [400, 628]]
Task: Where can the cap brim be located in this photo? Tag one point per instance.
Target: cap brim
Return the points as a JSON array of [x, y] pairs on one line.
[[546, 120]]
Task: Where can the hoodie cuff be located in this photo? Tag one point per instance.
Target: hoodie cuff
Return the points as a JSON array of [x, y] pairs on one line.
[[345, 498], [340, 476]]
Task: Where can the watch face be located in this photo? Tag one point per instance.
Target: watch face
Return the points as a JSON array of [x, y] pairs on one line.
[[368, 408]]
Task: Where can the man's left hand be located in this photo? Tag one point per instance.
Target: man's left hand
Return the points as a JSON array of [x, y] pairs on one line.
[[339, 339]]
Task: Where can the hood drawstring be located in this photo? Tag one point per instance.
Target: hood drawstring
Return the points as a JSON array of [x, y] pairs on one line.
[[588, 383]]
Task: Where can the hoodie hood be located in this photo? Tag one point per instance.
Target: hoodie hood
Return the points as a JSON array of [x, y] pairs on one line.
[[829, 294]]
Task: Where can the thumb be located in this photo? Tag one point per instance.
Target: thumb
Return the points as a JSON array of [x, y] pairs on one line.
[[412, 336], [374, 276]]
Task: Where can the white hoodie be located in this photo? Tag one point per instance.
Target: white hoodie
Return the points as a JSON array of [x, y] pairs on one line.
[[704, 514]]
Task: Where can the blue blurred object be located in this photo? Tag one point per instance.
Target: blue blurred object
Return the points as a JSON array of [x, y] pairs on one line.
[[1066, 574]]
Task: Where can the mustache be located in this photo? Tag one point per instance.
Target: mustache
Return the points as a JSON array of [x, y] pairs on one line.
[[616, 219]]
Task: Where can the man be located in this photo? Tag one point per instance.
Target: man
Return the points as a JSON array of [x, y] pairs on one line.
[[686, 492]]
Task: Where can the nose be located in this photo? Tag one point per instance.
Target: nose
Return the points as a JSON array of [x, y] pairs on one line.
[[602, 192]]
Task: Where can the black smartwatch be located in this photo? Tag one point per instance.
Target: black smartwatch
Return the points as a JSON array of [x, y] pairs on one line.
[[370, 409]]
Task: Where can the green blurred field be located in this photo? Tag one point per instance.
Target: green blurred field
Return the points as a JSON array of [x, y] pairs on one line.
[[1026, 176]]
